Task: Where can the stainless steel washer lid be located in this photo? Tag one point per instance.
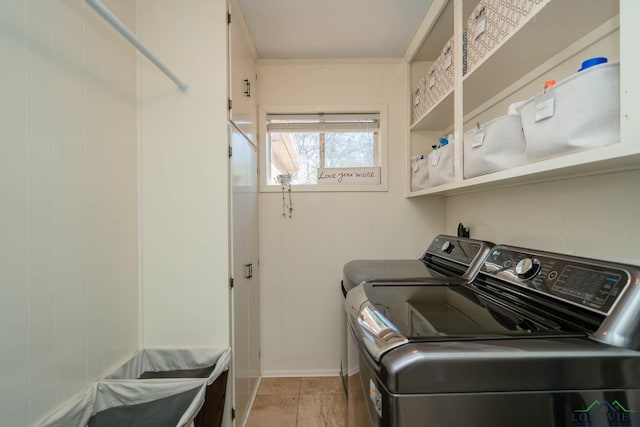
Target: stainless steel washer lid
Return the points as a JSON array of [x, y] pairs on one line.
[[384, 317], [358, 271], [451, 313], [446, 256], [508, 365]]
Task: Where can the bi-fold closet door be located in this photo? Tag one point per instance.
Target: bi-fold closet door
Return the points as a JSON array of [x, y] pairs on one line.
[[246, 281], [245, 292]]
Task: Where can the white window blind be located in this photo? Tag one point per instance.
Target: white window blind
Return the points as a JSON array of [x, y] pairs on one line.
[[352, 122]]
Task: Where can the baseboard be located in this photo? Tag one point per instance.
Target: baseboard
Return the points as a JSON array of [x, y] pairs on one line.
[[301, 373]]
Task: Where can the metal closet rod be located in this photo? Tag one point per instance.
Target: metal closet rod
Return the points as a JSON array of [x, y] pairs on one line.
[[122, 29]]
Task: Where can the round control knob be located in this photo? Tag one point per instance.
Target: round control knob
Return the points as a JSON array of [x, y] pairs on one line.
[[527, 268], [447, 247]]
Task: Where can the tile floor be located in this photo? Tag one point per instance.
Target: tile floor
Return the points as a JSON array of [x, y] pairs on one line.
[[299, 402]]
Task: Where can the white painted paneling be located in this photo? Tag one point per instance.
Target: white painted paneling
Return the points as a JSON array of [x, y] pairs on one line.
[[598, 219], [69, 211], [14, 274], [593, 216], [69, 205], [96, 52], [112, 213], [301, 258], [184, 175], [40, 146]]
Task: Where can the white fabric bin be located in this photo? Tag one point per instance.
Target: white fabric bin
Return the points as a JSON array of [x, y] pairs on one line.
[[579, 112], [419, 173], [160, 403], [441, 169], [495, 146]]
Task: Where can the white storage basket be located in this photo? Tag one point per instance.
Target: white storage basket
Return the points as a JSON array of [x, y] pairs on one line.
[[495, 146], [440, 77], [446, 68], [419, 173], [419, 100], [579, 112], [493, 20], [432, 86], [441, 166]]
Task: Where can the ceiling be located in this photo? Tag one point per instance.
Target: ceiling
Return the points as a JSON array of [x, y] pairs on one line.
[[296, 29]]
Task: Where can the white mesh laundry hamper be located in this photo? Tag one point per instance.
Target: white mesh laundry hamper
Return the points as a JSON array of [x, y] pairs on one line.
[[161, 403], [208, 363], [199, 362]]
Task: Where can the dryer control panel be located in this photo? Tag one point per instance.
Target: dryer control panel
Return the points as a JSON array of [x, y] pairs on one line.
[[461, 250], [591, 284]]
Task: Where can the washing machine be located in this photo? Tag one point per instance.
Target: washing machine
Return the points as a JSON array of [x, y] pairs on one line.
[[448, 260], [535, 339]]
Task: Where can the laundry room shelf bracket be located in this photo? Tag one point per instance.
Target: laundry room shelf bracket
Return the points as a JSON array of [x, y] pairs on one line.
[[122, 29]]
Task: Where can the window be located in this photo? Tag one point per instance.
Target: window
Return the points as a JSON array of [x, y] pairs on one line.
[[324, 148]]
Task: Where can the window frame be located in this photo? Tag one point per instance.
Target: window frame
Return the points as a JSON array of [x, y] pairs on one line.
[[265, 158]]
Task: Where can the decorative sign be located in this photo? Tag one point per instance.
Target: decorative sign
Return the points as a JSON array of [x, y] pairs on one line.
[[349, 176]]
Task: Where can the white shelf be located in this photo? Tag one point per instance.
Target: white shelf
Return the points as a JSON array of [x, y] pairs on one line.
[[536, 40], [436, 30], [439, 117], [611, 158], [560, 29]]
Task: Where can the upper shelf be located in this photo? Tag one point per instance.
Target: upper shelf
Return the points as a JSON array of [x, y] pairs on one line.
[[439, 117], [610, 158], [436, 30], [532, 43]]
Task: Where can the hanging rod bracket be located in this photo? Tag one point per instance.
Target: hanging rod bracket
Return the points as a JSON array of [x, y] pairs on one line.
[[131, 38]]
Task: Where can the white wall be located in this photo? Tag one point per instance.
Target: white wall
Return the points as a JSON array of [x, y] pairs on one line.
[[68, 195], [301, 258], [184, 175], [594, 216]]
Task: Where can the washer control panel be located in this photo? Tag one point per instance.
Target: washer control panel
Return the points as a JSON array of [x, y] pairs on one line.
[[461, 250], [590, 284]]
